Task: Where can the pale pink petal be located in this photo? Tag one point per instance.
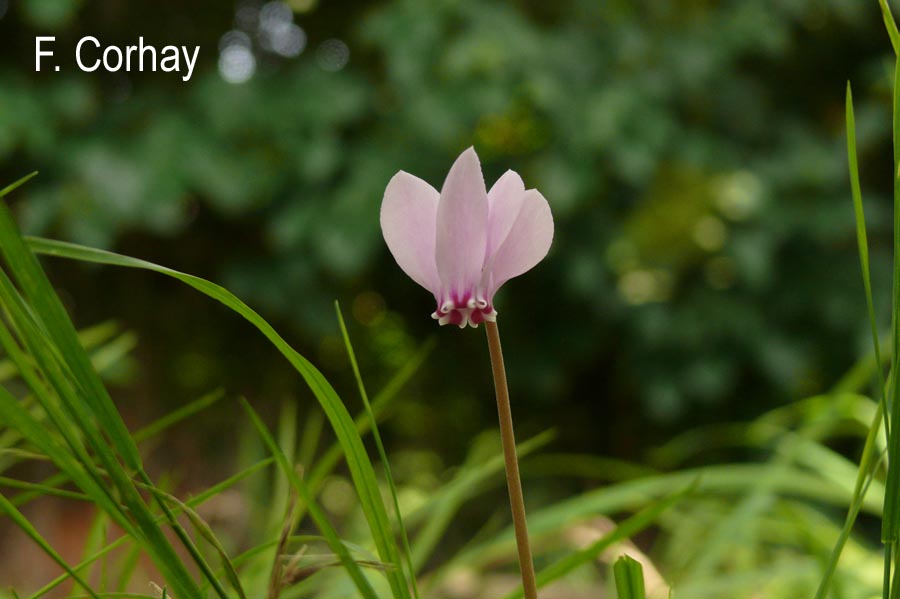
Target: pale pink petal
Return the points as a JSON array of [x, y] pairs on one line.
[[409, 223], [462, 228], [526, 244], [504, 202]]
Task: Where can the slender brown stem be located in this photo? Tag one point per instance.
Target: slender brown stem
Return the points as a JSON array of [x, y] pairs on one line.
[[513, 481]]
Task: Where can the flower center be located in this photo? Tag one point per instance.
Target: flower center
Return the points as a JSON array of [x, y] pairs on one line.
[[465, 309]]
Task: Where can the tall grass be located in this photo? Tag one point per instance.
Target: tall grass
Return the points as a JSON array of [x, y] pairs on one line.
[[889, 407], [688, 506]]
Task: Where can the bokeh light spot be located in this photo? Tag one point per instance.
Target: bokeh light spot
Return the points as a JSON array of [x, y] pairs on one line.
[[285, 39], [338, 496], [463, 581], [273, 14], [710, 233], [333, 55], [738, 195], [644, 286], [237, 63], [302, 5]]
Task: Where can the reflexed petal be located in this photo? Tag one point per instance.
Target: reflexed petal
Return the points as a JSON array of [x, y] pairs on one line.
[[462, 226], [526, 244], [408, 223], [504, 202]]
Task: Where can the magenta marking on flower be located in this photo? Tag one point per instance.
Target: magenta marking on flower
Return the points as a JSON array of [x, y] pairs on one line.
[[464, 242]]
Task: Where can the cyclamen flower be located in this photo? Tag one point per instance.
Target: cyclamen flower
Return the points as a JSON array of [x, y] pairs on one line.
[[464, 243]]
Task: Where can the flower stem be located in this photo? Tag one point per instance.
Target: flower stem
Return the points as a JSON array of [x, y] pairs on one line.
[[513, 481]]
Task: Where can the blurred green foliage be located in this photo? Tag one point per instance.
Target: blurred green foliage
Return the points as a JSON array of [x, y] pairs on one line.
[[703, 269]]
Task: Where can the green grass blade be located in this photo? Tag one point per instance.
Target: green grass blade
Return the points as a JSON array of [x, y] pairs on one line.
[[863, 246], [890, 25], [22, 522], [14, 186], [176, 416], [865, 474], [869, 449], [127, 567], [318, 516], [42, 490], [24, 454], [629, 576], [381, 453], [891, 519], [242, 558], [113, 352], [94, 540], [310, 437], [287, 440], [361, 470]]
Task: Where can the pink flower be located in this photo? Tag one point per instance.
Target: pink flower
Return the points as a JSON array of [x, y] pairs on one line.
[[463, 243]]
